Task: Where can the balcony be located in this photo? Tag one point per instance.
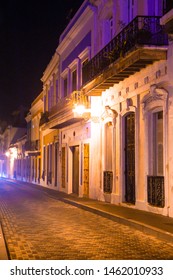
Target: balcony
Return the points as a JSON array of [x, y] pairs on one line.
[[168, 5], [167, 19], [32, 147], [140, 43], [62, 114]]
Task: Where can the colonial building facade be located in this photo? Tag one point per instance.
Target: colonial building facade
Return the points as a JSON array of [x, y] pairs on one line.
[[114, 64], [107, 122], [66, 133], [33, 141]]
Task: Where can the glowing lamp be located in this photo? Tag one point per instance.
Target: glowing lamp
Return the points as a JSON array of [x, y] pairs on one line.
[[79, 109]]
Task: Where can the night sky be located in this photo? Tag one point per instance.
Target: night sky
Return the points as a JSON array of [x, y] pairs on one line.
[[29, 36]]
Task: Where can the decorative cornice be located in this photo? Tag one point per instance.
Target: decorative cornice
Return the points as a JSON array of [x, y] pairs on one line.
[[76, 29], [51, 68]]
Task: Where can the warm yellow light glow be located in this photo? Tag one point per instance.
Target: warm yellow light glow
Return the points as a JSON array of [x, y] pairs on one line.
[[7, 154], [14, 153], [80, 110], [96, 107]]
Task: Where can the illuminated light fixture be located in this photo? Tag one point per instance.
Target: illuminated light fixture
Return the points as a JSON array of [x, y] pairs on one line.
[[79, 109], [12, 153], [80, 103]]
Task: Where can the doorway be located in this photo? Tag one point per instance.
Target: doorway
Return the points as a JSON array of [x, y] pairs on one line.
[[75, 170], [130, 158], [56, 163], [86, 170]]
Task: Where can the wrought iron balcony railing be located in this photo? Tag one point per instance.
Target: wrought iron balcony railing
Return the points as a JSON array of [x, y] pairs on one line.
[[78, 98], [68, 102], [62, 103], [156, 194], [68, 110], [143, 30], [167, 6]]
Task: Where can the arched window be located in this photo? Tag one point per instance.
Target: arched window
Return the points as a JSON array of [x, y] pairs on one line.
[[155, 117], [108, 146], [156, 142]]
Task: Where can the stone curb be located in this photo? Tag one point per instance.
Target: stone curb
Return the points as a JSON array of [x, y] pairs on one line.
[[3, 248], [147, 229]]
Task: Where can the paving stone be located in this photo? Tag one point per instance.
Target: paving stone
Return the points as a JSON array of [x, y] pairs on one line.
[[37, 226]]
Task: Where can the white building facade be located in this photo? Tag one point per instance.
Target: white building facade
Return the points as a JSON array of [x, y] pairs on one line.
[[129, 77], [33, 141], [106, 127]]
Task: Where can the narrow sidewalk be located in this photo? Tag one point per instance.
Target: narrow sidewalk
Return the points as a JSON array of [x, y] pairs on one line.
[[3, 249]]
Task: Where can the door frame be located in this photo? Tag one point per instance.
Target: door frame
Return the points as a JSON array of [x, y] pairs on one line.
[[78, 173], [124, 113], [129, 187]]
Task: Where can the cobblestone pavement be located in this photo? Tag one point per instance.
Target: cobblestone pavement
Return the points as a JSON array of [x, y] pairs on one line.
[[39, 227]]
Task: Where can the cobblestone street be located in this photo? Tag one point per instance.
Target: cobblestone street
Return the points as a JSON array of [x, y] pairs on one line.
[[38, 227]]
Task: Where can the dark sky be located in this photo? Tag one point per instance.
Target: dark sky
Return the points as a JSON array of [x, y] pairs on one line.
[[29, 35]]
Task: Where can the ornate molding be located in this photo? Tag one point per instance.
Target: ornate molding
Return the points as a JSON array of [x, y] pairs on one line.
[[109, 113], [157, 97]]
